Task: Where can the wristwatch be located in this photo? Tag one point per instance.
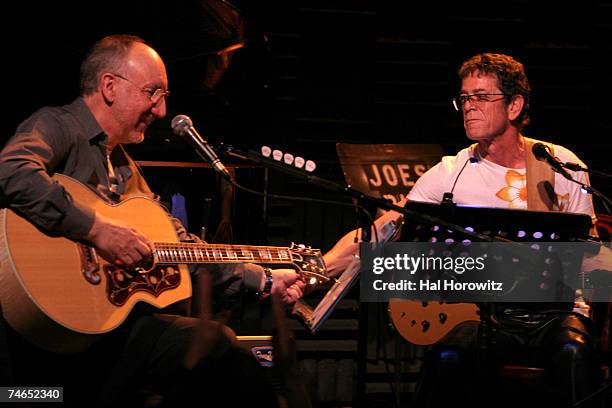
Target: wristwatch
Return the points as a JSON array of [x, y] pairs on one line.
[[265, 292]]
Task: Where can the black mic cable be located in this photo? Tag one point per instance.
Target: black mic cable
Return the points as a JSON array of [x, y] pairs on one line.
[[592, 190], [577, 167], [589, 189], [310, 200], [447, 198]]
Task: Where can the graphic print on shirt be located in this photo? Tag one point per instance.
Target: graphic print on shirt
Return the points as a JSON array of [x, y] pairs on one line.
[[563, 202], [515, 192]]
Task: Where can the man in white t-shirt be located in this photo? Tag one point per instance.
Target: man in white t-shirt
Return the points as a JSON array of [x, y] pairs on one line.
[[487, 182], [495, 107], [494, 101]]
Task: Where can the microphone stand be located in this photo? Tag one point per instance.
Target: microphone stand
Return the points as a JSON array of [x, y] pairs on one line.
[[605, 200], [590, 189], [363, 199], [577, 167]]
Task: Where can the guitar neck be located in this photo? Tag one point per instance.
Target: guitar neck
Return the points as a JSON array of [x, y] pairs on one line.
[[188, 253]]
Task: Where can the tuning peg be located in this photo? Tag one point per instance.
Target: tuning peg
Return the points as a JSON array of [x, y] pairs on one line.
[[288, 158], [299, 162], [310, 166], [266, 151], [277, 155]]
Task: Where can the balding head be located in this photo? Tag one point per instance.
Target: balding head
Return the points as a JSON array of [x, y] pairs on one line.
[[107, 55], [124, 84]]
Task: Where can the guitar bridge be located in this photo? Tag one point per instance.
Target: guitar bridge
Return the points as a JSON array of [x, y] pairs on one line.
[[122, 283]]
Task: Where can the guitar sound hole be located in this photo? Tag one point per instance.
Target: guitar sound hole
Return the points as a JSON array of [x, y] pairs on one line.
[[425, 324], [442, 317]]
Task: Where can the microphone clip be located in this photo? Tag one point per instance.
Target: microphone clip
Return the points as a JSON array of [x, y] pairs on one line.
[[447, 199]]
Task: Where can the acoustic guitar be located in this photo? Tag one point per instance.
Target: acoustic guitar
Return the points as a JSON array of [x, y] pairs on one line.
[[59, 294]]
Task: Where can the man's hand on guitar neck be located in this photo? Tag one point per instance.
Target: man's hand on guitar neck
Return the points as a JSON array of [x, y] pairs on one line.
[[346, 248], [118, 242], [287, 284]]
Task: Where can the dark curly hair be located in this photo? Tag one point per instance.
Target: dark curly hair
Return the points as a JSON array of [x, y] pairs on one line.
[[510, 74]]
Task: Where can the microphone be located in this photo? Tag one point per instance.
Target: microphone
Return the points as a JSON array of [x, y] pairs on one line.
[[447, 198], [542, 153], [183, 126]]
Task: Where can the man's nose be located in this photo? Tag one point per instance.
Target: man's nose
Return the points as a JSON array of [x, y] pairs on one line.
[[466, 107], [159, 109]]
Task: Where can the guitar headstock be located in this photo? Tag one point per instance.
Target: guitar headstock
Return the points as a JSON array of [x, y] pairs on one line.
[[309, 262]]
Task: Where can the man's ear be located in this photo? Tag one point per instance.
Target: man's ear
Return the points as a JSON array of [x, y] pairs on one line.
[[108, 83], [515, 107]]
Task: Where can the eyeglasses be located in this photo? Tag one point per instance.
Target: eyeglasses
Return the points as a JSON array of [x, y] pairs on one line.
[[154, 95], [477, 99]]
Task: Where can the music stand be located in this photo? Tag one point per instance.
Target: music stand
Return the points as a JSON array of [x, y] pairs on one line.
[[513, 225]]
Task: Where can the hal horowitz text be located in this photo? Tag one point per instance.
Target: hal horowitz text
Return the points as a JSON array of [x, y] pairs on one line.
[[437, 285], [445, 285]]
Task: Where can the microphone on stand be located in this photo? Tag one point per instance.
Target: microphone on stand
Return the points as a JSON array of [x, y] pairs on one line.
[[542, 153], [183, 126]]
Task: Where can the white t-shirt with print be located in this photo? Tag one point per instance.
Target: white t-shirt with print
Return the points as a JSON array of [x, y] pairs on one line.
[[488, 184]]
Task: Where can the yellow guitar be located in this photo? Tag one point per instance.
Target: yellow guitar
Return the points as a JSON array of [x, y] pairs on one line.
[[59, 294], [426, 323], [419, 322]]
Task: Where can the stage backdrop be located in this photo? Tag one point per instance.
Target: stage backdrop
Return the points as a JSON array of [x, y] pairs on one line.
[[386, 170]]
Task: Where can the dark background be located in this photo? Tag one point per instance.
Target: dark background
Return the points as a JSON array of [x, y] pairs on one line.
[[315, 73]]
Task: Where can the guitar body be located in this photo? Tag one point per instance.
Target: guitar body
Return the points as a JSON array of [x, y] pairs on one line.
[[47, 291], [426, 323]]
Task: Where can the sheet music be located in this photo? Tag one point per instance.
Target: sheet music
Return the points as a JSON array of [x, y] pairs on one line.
[[315, 318]]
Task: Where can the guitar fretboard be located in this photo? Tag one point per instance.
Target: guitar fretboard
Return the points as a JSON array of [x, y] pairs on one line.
[[170, 253]]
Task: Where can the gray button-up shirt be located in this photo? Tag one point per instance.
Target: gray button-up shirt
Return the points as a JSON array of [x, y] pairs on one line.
[[66, 140], [69, 140]]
